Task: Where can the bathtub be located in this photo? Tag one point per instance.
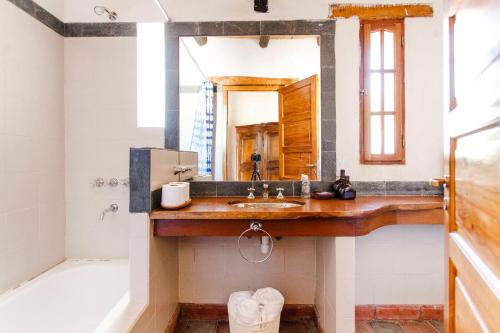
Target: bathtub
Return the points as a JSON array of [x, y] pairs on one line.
[[77, 296]]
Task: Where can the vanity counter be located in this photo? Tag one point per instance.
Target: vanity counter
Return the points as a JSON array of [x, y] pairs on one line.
[[216, 217]]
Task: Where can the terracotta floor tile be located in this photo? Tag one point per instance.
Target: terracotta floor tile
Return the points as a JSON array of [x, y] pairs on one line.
[[437, 324], [433, 312], [365, 312], [412, 326], [293, 327], [363, 327], [386, 327], [197, 327], [223, 327]]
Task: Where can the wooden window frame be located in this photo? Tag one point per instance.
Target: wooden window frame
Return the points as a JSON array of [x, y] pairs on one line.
[[397, 27], [451, 45]]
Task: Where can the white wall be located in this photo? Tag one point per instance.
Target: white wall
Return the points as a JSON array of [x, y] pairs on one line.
[[226, 56], [335, 284], [247, 108], [210, 268], [401, 265], [101, 126], [32, 212], [379, 280], [55, 7], [423, 102]]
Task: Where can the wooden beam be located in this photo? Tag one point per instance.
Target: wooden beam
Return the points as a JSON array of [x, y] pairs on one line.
[[376, 12], [201, 40], [264, 41], [250, 81]]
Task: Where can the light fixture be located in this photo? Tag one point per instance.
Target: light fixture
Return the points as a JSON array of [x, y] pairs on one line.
[[100, 10]]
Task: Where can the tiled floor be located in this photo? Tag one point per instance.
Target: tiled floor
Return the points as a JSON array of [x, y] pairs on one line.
[[402, 326], [200, 326], [308, 326]]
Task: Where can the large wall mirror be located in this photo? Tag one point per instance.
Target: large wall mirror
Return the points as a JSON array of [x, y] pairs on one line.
[[250, 106], [252, 100]]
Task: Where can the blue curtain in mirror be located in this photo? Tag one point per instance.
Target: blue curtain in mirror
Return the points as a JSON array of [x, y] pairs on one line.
[[203, 130]]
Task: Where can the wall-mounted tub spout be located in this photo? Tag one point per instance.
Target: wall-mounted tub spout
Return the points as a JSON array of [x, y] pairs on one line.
[[113, 208]]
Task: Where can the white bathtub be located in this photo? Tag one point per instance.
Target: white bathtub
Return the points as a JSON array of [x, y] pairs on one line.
[[77, 296]]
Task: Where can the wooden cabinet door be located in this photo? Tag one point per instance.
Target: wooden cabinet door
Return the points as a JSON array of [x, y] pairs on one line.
[[473, 239], [297, 130], [248, 143], [271, 153]]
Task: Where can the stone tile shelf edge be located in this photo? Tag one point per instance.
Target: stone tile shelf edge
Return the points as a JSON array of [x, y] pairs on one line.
[[117, 29]]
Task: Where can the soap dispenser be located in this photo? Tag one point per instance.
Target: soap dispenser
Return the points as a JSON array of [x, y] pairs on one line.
[[306, 186]]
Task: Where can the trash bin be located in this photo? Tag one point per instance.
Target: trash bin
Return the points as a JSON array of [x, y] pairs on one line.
[[257, 312]]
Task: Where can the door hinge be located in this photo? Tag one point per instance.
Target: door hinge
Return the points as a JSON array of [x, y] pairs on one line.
[[402, 41], [403, 141], [363, 92]]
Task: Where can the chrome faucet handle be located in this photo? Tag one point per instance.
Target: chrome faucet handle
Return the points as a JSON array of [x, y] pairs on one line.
[[98, 182], [113, 182], [251, 195], [280, 193]]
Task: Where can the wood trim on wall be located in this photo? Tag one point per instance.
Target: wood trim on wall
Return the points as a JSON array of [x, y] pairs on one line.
[[377, 12], [250, 81]]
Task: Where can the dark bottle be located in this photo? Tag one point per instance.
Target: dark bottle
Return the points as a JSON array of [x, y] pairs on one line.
[[346, 191], [336, 185]]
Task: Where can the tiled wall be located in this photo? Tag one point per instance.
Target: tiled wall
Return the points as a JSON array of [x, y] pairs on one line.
[[335, 284], [101, 126], [211, 268], [32, 211], [401, 265], [161, 281]]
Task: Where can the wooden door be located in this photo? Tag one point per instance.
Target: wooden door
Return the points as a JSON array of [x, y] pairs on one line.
[[297, 130], [473, 239], [270, 147], [248, 139]]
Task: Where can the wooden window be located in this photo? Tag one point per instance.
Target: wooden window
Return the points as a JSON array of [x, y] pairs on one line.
[[382, 92]]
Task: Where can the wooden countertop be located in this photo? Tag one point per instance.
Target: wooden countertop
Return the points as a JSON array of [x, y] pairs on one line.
[[215, 217]]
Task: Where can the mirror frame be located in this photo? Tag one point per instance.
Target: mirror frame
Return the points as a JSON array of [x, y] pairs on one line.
[[324, 29]]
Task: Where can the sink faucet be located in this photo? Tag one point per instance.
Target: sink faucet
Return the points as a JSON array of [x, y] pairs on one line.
[[280, 193], [265, 191], [113, 208], [251, 196]]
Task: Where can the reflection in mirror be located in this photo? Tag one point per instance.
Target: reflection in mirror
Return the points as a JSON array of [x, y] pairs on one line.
[[249, 108]]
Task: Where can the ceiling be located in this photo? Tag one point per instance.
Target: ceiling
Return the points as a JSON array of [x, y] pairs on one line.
[[205, 10]]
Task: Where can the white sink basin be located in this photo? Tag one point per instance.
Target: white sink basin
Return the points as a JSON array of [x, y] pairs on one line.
[[279, 205]]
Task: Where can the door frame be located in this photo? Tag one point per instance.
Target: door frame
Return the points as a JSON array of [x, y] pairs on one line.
[[242, 83]]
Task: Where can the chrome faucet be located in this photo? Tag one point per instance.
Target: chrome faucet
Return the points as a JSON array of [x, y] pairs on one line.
[[113, 208], [251, 196], [265, 191], [280, 193]]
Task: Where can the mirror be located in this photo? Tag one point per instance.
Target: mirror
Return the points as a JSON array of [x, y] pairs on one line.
[[250, 106]]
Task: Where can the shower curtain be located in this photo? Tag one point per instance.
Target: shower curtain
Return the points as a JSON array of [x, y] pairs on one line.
[[203, 130]]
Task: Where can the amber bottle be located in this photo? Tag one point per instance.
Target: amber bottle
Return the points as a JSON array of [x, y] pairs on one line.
[[336, 185]]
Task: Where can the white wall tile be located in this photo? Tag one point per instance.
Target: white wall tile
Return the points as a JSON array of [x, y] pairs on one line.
[[202, 270], [32, 216], [100, 127]]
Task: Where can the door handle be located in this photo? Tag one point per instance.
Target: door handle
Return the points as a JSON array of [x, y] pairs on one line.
[[311, 165]]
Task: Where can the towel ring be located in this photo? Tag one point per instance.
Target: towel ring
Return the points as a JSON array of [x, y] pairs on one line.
[[256, 226]]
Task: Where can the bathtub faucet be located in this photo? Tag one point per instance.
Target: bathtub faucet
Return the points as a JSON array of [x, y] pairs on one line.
[[113, 208]]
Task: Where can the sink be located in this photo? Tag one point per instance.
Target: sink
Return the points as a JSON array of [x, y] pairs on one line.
[[266, 204]]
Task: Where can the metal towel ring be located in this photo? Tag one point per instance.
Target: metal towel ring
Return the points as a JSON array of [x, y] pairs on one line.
[[256, 226]]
